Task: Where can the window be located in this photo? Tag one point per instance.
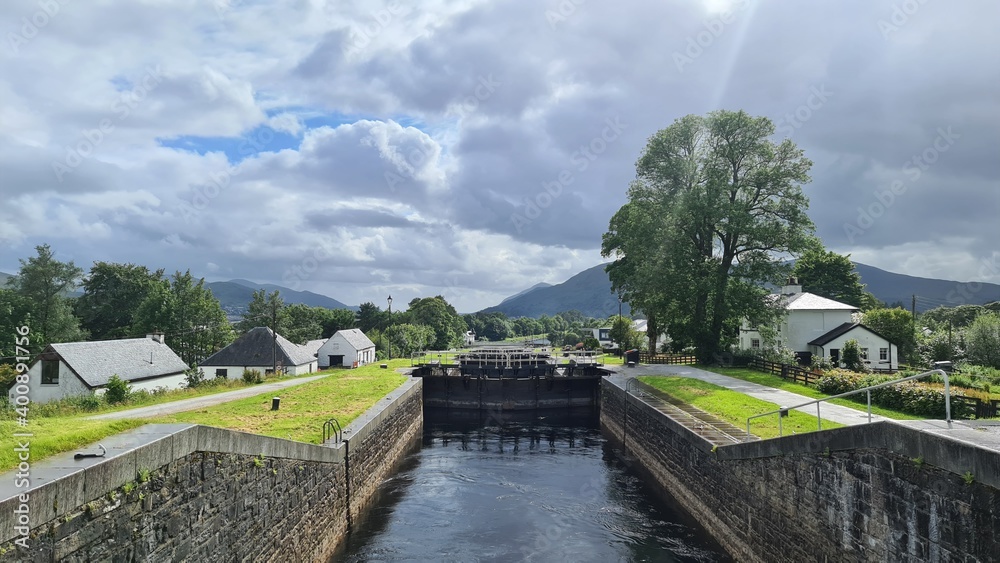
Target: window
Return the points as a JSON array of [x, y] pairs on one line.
[[755, 343], [864, 353], [883, 354], [222, 372], [50, 372]]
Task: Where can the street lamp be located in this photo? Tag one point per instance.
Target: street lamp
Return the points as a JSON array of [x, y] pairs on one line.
[[621, 351], [389, 340]]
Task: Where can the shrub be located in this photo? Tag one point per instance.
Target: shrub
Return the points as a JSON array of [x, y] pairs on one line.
[[851, 356], [910, 396], [591, 343], [193, 377], [118, 390], [252, 376]]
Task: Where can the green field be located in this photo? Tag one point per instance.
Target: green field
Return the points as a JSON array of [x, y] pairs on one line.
[[735, 407]]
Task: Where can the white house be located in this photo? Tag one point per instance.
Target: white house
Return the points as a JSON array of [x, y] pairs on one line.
[[470, 338], [258, 349], [346, 348], [642, 325], [80, 368], [603, 335], [814, 325]]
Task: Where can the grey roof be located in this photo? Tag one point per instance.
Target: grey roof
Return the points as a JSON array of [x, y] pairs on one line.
[[806, 301], [840, 331], [254, 348], [356, 338], [95, 362], [312, 347]]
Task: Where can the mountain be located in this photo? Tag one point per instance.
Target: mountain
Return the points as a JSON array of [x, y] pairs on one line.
[[235, 295], [3, 279], [894, 288], [588, 292], [538, 285]]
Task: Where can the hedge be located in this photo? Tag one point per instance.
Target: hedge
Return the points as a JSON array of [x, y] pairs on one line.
[[909, 396]]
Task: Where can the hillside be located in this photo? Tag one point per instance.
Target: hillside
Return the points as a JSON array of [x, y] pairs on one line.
[[235, 295], [588, 292], [538, 285]]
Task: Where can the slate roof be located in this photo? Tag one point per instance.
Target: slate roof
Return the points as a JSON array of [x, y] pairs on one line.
[[313, 346], [840, 331], [254, 348], [806, 301], [95, 362], [356, 338]]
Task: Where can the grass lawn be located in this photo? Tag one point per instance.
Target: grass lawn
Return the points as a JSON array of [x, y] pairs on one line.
[[734, 407], [344, 395], [762, 378], [53, 435]]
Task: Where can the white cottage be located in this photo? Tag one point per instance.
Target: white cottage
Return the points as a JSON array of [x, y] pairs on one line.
[[258, 349], [346, 348], [80, 368], [815, 325]]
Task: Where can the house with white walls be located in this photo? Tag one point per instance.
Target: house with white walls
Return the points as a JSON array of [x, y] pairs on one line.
[[816, 326], [84, 368], [260, 349], [346, 348]]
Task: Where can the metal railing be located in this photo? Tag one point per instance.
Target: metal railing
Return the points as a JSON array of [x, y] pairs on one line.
[[332, 429], [868, 390]]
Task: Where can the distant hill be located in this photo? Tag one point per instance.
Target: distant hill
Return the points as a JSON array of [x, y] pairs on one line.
[[3, 279], [930, 292], [588, 292], [235, 295], [538, 285]]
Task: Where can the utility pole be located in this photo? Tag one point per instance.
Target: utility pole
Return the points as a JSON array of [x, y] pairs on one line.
[[913, 309], [274, 338]]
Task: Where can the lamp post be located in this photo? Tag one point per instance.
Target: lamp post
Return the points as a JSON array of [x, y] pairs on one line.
[[621, 352], [389, 340]]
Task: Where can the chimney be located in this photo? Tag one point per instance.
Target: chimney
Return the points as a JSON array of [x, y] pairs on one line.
[[156, 337], [791, 287]]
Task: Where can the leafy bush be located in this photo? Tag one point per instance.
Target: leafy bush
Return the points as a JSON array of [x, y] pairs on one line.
[[910, 396], [591, 343], [851, 356], [118, 390], [253, 376], [193, 377]]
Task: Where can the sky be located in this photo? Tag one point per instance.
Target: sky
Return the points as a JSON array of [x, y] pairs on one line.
[[471, 149]]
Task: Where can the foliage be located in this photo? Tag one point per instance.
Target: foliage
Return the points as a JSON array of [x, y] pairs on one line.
[[193, 377], [43, 283], [982, 340], [955, 317], [369, 316], [829, 275], [910, 396], [448, 326], [265, 309], [303, 323], [624, 335], [15, 311], [897, 326], [850, 356], [118, 390], [591, 343], [184, 309], [715, 209], [938, 347], [252, 376], [333, 320], [406, 338], [111, 293]]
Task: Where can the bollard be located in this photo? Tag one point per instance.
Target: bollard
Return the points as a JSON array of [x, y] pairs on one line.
[[782, 411], [384, 366], [275, 403]]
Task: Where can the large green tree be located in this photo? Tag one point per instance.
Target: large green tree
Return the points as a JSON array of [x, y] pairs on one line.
[[714, 211], [369, 316], [186, 311], [303, 323], [982, 340], [45, 283], [830, 275], [897, 326], [333, 320], [111, 293], [444, 320], [15, 312], [265, 309]]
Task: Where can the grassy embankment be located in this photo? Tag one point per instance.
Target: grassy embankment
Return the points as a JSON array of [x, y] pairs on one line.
[[754, 376], [734, 407], [344, 394]]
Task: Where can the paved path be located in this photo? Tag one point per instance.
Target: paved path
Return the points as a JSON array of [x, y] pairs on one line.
[[836, 413], [206, 400]]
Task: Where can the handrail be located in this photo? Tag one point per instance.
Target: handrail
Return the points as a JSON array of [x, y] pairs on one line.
[[868, 390], [332, 429]]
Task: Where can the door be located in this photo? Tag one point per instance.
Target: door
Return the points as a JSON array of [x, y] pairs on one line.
[[337, 361], [835, 357]]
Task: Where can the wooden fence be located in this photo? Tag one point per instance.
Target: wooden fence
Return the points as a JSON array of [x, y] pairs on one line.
[[785, 371], [669, 359]]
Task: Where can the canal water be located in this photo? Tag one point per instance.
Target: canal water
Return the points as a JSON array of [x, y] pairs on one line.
[[538, 487]]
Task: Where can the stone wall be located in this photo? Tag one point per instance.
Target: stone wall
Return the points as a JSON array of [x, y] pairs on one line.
[[860, 493], [185, 492]]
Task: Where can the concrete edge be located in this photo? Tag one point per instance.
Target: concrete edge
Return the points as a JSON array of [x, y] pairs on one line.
[[692, 437], [360, 428]]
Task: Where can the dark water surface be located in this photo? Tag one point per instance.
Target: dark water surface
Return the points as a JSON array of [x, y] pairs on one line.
[[532, 489]]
